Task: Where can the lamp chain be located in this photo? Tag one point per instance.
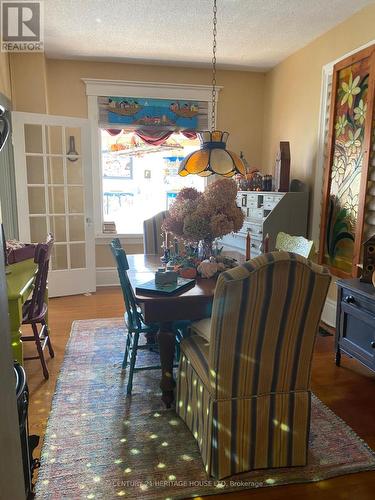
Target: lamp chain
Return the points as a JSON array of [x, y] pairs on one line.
[[214, 32]]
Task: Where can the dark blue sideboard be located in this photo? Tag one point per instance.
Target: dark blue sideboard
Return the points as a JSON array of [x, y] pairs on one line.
[[355, 321]]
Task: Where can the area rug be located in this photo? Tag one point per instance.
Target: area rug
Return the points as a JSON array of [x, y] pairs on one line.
[[101, 444]]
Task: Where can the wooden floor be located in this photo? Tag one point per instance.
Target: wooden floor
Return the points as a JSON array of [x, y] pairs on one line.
[[348, 391]]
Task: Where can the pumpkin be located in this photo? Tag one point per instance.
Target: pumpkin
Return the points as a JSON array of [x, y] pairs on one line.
[[187, 272], [207, 269]]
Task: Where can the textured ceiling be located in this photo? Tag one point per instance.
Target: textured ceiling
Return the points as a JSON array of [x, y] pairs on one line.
[[252, 34]]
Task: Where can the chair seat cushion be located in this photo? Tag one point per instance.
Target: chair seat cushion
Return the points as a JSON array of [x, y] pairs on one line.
[[202, 328], [195, 348], [35, 318]]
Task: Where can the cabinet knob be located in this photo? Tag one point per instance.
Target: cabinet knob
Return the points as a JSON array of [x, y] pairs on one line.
[[373, 344], [349, 299]]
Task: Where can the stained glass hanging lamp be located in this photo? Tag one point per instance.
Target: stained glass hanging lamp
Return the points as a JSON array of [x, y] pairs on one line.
[[212, 157]]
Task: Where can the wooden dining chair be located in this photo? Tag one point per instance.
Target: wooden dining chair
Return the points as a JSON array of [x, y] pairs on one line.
[[135, 322], [34, 311], [133, 318], [152, 234], [296, 244]]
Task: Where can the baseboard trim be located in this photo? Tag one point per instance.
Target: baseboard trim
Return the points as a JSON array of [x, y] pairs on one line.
[[107, 276], [329, 313]]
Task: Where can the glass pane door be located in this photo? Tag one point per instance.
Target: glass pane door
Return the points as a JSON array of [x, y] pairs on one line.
[[58, 194]]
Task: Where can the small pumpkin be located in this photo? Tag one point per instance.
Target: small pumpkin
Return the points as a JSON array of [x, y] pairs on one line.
[[187, 272], [207, 269]]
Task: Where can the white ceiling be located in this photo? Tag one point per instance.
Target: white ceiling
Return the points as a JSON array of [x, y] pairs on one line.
[[252, 34]]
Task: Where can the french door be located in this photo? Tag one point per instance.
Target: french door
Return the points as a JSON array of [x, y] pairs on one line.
[[54, 195]]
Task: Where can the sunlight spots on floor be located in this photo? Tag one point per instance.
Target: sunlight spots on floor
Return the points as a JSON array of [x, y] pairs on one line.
[[134, 451], [96, 479], [153, 436], [284, 427], [270, 481], [173, 422], [143, 487], [126, 422], [187, 458], [91, 495], [172, 477], [123, 440], [161, 465], [118, 461], [121, 493], [52, 461], [45, 481], [88, 464], [164, 443], [156, 414], [127, 470], [53, 436], [220, 485]]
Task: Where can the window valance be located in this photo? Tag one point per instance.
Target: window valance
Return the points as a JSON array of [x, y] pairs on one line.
[[142, 113]]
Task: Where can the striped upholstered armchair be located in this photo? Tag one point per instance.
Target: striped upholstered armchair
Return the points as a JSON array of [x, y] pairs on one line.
[[152, 234], [244, 375]]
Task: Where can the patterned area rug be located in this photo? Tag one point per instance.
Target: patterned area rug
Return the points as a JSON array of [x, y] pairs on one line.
[[102, 445]]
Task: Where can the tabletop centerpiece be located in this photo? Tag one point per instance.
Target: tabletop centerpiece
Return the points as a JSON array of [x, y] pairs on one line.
[[196, 220]]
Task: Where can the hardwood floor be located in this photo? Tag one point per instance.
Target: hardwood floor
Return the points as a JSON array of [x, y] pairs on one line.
[[348, 391]]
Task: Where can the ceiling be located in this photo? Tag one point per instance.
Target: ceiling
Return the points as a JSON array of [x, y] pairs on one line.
[[252, 34]]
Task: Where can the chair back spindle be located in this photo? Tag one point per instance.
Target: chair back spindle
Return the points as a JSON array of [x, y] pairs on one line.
[[119, 254]]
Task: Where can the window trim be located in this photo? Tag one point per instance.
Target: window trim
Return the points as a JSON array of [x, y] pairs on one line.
[[119, 88]]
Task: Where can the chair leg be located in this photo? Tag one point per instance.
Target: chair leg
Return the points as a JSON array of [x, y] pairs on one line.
[[126, 354], [40, 350], [132, 363], [49, 344]]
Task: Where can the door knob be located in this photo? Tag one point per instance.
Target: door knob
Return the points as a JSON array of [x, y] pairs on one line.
[[373, 344], [349, 299]]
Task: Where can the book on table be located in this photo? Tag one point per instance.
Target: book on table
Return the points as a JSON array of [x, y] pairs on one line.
[[151, 288]]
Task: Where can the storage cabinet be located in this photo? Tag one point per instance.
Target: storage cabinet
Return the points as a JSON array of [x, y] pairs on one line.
[[268, 213], [355, 324]]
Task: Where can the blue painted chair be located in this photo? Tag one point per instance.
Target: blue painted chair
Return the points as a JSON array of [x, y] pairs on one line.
[[133, 318], [135, 322]]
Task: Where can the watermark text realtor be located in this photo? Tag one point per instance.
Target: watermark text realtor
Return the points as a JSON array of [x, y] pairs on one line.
[[22, 27]]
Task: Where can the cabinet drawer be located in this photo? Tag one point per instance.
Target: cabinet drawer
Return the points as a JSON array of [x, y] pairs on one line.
[[255, 213], [357, 333], [357, 300]]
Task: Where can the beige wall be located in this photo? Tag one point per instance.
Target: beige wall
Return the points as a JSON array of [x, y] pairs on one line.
[[292, 93], [29, 88], [292, 97], [240, 108], [5, 87]]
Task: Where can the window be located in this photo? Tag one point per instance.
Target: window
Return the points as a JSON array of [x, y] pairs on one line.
[[140, 180]]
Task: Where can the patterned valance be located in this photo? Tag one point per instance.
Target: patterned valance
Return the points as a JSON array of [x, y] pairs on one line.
[[142, 113]]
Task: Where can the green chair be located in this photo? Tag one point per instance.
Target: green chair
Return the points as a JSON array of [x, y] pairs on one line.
[[133, 318], [135, 322]]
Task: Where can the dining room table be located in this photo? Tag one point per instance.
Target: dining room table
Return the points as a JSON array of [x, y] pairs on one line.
[[191, 304]]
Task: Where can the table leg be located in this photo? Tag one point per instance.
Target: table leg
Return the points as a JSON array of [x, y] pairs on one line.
[[166, 339], [15, 320]]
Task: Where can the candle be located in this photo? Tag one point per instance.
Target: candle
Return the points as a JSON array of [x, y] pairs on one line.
[[248, 238], [266, 243]]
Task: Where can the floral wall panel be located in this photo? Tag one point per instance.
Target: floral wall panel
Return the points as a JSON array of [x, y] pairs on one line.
[[343, 221]]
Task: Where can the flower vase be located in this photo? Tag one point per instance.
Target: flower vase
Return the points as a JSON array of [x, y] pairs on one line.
[[207, 248]]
